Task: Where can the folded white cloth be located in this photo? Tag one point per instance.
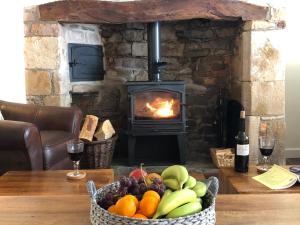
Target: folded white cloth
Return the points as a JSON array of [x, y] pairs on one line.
[[1, 117]]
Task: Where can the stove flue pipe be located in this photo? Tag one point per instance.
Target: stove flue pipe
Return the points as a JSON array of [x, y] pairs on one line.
[[154, 63]]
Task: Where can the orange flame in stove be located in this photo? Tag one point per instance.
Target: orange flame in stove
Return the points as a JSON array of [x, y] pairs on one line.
[[161, 108]]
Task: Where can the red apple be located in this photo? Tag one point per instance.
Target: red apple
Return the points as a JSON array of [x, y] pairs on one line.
[[137, 173]]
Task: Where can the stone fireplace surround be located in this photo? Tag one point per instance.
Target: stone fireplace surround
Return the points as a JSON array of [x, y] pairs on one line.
[[244, 58]]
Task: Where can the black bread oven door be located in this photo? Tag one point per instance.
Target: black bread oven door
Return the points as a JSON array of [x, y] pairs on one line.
[[156, 107]]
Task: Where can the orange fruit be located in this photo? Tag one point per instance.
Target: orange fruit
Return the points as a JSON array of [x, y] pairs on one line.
[[136, 201], [126, 206], [139, 216], [148, 206], [112, 209], [151, 193]]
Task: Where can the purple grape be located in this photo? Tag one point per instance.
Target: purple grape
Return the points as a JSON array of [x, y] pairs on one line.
[[123, 191], [141, 180], [99, 202], [134, 182], [135, 191], [129, 183], [143, 188], [157, 181], [139, 196], [162, 189], [109, 196], [103, 204], [125, 181], [154, 187], [122, 181], [161, 192]]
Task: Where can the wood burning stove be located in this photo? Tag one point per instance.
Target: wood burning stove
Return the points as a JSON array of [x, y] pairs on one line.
[[156, 107]]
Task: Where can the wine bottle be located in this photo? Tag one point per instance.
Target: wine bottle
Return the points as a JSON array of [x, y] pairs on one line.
[[242, 147]]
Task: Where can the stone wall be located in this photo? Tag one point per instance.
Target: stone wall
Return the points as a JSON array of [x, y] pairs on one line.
[[246, 60], [197, 51], [41, 59], [259, 81], [46, 58]]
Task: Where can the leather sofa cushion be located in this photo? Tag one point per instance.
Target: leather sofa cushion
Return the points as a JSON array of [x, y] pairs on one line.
[[18, 112], [11, 162], [55, 151]]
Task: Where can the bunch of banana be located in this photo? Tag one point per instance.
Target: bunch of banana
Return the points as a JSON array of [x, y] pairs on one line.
[[174, 177], [183, 196], [191, 182], [185, 210], [200, 189], [172, 200]]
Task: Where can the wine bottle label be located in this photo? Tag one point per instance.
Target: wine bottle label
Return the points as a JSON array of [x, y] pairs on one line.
[[242, 150]]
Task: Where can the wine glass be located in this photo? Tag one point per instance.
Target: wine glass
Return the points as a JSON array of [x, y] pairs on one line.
[[266, 146], [266, 142], [75, 149]]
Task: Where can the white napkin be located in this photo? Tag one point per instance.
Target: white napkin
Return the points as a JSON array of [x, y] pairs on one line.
[[1, 117]]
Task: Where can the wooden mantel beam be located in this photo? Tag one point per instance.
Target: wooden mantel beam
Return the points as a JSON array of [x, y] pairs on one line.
[[95, 11]]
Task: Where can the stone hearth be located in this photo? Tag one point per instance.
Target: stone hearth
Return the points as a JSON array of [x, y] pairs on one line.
[[243, 57]]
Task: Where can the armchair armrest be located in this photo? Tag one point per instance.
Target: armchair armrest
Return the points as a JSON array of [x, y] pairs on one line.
[[22, 136], [59, 118]]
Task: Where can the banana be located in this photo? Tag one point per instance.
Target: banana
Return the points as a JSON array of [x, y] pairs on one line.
[[200, 189], [167, 192], [177, 172], [191, 182], [171, 183], [185, 210], [200, 200], [174, 200]]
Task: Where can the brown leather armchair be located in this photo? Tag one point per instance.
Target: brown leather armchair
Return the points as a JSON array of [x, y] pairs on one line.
[[34, 137]]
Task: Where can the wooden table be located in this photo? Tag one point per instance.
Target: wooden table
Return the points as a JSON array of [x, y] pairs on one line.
[[256, 209], [242, 183], [28, 183]]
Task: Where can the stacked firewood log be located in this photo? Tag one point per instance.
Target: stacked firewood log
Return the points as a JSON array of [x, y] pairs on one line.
[[92, 129]]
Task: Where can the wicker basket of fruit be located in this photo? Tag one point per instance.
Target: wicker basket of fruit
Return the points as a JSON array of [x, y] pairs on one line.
[[173, 197]]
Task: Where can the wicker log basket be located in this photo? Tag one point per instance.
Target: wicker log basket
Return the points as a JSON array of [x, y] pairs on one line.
[[98, 154], [100, 216]]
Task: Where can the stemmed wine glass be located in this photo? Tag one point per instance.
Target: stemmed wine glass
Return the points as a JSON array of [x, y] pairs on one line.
[[75, 149], [266, 142]]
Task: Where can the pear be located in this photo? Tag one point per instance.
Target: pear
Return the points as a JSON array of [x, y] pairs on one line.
[[150, 177]]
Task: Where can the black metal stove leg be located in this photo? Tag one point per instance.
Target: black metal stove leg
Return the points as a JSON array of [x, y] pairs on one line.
[[131, 149], [181, 140]]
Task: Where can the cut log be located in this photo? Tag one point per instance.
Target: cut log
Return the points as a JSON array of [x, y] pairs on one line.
[[95, 11], [105, 131], [89, 127]]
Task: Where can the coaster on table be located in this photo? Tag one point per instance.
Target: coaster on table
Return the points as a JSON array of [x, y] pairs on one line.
[[71, 176]]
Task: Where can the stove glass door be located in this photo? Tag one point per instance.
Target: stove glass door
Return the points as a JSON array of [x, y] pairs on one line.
[[157, 105]]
